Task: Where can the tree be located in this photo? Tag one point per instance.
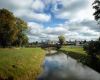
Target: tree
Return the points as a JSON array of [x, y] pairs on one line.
[[12, 29], [61, 42], [93, 48], [22, 29], [96, 6], [8, 29], [95, 45], [21, 40], [61, 39]]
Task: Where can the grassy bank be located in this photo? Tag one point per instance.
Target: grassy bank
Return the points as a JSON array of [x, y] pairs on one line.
[[20, 63], [79, 54], [76, 52]]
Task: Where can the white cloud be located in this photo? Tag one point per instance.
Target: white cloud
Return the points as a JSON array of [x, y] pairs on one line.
[[35, 29], [56, 30], [70, 31], [82, 10], [81, 23], [73, 9], [85, 13], [88, 31], [20, 4], [28, 10], [38, 5], [63, 15], [29, 15], [15, 4]]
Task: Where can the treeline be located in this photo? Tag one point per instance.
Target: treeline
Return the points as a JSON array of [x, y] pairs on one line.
[[12, 30]]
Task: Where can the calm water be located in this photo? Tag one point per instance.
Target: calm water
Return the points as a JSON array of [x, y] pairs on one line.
[[62, 67]]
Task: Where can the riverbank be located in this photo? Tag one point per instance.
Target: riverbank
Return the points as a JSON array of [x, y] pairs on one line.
[[59, 66], [21, 64], [75, 52], [80, 55]]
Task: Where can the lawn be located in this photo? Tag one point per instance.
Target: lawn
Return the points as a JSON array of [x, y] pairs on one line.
[[76, 52], [20, 63]]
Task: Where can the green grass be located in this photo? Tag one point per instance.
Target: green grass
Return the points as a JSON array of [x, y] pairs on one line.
[[79, 54], [76, 52], [76, 49], [20, 64]]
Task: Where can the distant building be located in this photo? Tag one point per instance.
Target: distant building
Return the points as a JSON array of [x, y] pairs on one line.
[[70, 42], [77, 43]]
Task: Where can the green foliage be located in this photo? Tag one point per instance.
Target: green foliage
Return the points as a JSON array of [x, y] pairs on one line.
[[21, 36], [12, 30], [92, 48], [96, 6], [8, 29], [61, 42], [95, 45], [61, 39], [93, 51]]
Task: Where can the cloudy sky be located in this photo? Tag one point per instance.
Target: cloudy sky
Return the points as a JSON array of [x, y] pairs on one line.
[[47, 19]]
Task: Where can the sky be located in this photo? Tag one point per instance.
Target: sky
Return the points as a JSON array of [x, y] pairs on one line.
[[47, 19]]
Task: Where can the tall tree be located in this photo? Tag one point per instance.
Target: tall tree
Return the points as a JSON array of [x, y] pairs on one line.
[[22, 29], [12, 29], [8, 29], [93, 47], [96, 6], [61, 39]]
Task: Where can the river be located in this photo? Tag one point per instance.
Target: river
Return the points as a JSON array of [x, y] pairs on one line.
[[62, 67]]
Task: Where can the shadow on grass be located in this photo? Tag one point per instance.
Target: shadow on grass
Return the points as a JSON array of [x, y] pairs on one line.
[[8, 78]]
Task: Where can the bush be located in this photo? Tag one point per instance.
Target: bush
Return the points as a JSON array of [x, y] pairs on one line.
[[92, 48]]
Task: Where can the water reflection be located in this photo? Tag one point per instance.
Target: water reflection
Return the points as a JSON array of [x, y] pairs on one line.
[[62, 67]]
